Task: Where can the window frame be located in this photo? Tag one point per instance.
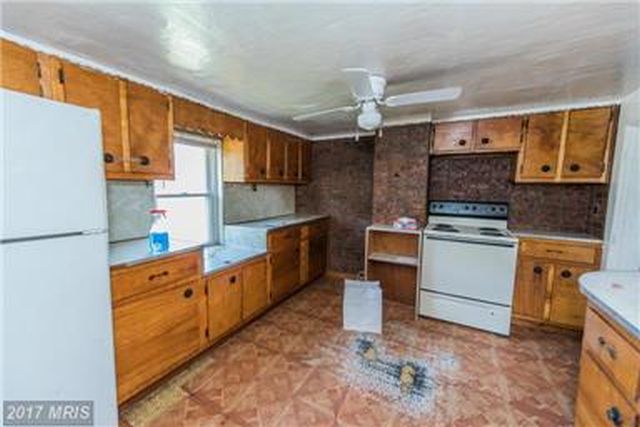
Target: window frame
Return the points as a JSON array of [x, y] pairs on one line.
[[214, 186]]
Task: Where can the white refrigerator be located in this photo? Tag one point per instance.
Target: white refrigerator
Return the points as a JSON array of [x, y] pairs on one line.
[[57, 339]]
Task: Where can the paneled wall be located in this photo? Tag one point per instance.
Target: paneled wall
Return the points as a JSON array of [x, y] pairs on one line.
[[341, 186], [572, 208]]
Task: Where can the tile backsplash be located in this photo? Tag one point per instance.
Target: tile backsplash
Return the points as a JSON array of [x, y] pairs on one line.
[[128, 207], [245, 202]]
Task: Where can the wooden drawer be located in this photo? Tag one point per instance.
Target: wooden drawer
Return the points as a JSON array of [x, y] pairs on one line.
[[283, 239], [581, 253], [616, 355], [135, 280], [599, 402]]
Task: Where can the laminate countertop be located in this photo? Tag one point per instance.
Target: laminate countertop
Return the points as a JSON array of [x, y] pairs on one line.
[[617, 294], [221, 257], [556, 235], [279, 221], [132, 252]]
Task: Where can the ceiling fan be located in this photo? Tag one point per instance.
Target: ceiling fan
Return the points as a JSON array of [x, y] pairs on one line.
[[368, 91]]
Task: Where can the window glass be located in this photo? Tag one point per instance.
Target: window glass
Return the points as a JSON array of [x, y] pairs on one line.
[[190, 171]]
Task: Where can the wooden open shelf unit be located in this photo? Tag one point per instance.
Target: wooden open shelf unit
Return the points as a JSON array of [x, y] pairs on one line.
[[393, 258]]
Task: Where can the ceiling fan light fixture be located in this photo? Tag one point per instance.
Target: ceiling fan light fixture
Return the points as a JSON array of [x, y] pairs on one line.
[[369, 120]]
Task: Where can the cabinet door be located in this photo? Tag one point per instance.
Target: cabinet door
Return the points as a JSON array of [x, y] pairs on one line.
[[256, 151], [538, 159], [150, 131], [225, 302], [452, 137], [530, 292], [92, 89], [304, 262], [317, 256], [157, 332], [285, 272], [587, 144], [276, 163], [305, 161], [255, 289], [568, 305], [292, 171], [20, 71], [501, 134]]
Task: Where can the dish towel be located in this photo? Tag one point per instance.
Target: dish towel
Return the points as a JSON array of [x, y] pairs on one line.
[[362, 306]]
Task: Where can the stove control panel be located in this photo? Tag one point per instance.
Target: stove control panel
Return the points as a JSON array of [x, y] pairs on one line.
[[469, 209]]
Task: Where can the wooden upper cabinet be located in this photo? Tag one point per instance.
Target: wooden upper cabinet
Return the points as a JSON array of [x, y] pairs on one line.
[[276, 157], [19, 68], [501, 134], [538, 160], [454, 137], [305, 161], [256, 152], [587, 146], [91, 89], [192, 117], [231, 126], [292, 170], [150, 131]]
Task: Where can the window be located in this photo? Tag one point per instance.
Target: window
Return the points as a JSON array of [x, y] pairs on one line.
[[193, 200]]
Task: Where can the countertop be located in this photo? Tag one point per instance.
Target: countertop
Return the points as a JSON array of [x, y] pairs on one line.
[[556, 235], [132, 252], [278, 222], [616, 293], [221, 257]]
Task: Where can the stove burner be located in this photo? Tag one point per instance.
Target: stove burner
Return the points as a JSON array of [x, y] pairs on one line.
[[492, 233], [492, 229]]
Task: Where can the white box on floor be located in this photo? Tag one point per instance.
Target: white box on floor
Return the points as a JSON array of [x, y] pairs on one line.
[[362, 306]]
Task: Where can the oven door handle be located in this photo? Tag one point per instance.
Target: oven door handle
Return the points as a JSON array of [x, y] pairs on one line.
[[475, 242]]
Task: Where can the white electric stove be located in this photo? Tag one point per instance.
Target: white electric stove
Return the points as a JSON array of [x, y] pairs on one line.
[[468, 265]]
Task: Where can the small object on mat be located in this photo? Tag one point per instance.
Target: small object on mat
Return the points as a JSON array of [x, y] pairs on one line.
[[405, 223], [362, 306]]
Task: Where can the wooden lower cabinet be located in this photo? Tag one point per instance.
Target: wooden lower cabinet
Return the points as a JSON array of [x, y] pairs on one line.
[[317, 256], [546, 288], [609, 381], [224, 302], [255, 288], [156, 332], [285, 271]]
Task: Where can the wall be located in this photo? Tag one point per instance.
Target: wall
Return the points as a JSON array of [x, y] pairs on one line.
[[128, 205], [341, 186], [622, 249], [577, 208], [400, 173], [244, 203]]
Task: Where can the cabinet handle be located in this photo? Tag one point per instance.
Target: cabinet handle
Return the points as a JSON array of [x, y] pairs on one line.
[[159, 275], [574, 167], [462, 142], [232, 279], [537, 269], [485, 141], [188, 293], [262, 172], [545, 168], [566, 274], [109, 158], [601, 341], [143, 160], [614, 415], [554, 251]]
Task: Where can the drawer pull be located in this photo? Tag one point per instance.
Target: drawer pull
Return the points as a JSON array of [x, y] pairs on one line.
[[601, 341], [566, 274], [554, 251], [611, 350], [614, 415], [159, 275], [188, 293], [462, 142], [485, 141]]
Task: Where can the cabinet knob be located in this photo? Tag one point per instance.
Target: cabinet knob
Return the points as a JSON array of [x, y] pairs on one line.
[[262, 171], [143, 160], [537, 269], [280, 172], [188, 293], [574, 167], [614, 415], [462, 142], [566, 274], [108, 158], [485, 141], [545, 168], [159, 275], [232, 279]]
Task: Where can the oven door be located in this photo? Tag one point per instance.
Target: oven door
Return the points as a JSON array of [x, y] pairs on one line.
[[482, 271]]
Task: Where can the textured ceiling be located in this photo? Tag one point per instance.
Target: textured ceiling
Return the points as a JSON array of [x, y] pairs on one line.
[[272, 61]]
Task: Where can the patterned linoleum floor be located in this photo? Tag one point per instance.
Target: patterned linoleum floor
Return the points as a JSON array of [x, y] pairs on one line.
[[288, 369]]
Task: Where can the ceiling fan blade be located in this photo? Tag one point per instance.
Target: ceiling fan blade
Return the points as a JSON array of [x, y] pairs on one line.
[[424, 97], [306, 116], [359, 80]]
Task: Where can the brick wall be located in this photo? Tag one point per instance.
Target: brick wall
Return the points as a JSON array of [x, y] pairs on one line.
[[341, 186], [573, 208], [400, 173]]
